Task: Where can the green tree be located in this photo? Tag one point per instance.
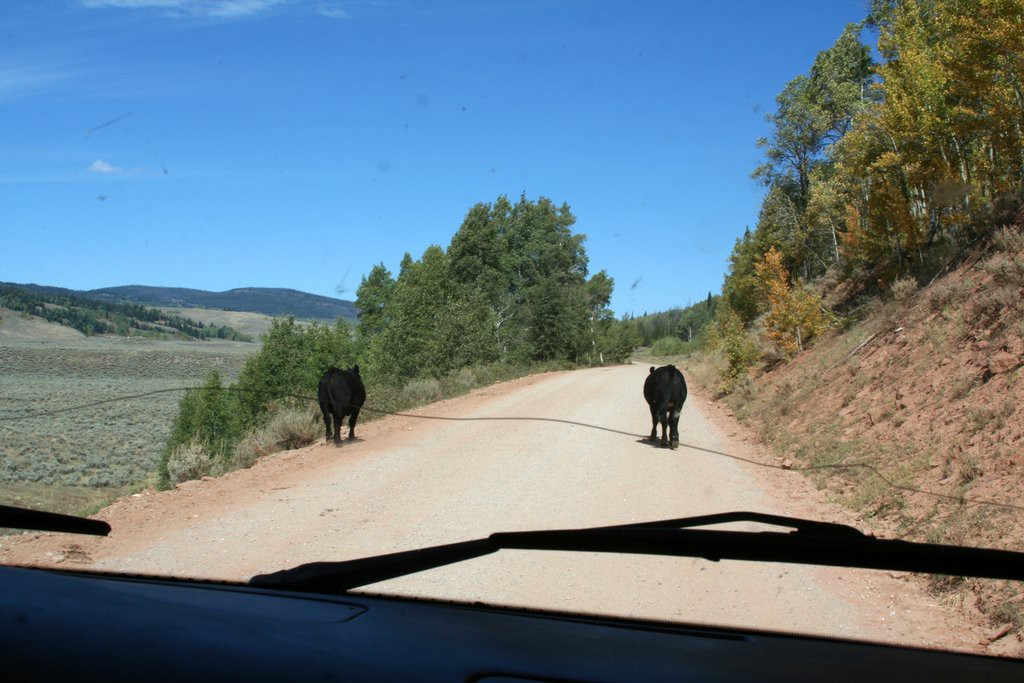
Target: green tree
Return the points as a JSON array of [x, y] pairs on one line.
[[617, 340], [694, 319], [798, 137], [532, 272], [600, 318], [207, 416], [479, 251], [740, 287], [512, 286], [813, 113], [555, 320], [291, 361], [728, 335], [372, 298], [548, 267], [435, 324]]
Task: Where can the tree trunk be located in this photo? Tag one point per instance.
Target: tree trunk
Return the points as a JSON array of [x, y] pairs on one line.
[[835, 241]]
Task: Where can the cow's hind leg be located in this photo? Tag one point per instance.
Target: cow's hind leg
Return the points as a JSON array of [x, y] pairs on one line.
[[674, 424], [654, 423], [352, 423], [338, 417], [663, 419], [326, 411]]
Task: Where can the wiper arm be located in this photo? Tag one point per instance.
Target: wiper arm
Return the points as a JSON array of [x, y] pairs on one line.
[[801, 525], [37, 520], [812, 542]]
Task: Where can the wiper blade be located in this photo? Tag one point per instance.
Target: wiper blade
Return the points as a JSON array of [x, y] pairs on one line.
[[37, 520], [802, 525], [812, 542]]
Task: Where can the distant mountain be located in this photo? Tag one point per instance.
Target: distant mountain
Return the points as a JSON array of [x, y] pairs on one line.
[[121, 318], [266, 300]]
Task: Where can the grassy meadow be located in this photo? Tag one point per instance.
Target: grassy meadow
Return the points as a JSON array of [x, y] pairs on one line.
[[65, 445], [252, 324]]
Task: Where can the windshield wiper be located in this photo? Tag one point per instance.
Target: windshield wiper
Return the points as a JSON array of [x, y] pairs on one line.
[[37, 520], [812, 542]]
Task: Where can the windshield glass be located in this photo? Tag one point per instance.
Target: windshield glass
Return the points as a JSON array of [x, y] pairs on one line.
[[287, 281]]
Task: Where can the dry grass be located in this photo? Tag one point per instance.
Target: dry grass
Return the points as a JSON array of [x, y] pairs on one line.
[[1009, 239], [19, 326], [252, 324], [288, 428]]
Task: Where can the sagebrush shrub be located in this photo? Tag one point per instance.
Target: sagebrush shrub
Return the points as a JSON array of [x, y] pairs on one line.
[[188, 461], [1008, 239], [903, 289], [947, 292], [1007, 269], [987, 308], [287, 429], [462, 380], [293, 428], [420, 391]]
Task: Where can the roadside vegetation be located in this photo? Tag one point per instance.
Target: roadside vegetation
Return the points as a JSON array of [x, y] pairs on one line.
[[910, 416], [509, 296], [879, 173], [871, 323]]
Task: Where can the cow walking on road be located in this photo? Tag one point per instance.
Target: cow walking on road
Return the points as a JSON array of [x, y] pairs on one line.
[[341, 393], [665, 391]]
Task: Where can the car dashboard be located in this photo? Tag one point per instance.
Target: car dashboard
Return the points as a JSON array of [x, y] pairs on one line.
[[59, 625]]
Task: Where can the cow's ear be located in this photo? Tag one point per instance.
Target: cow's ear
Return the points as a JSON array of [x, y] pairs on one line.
[[355, 369], [652, 369]]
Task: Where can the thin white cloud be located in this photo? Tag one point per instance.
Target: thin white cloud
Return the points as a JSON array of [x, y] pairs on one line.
[[227, 9], [239, 8], [221, 9], [136, 4], [100, 166], [19, 80], [332, 12]]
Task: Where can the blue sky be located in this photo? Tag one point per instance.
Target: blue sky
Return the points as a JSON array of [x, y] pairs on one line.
[[296, 143]]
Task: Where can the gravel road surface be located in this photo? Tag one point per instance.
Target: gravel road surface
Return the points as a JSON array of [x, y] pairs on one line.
[[550, 451]]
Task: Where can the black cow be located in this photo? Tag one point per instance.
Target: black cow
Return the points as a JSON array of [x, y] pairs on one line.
[[341, 393], [665, 391]]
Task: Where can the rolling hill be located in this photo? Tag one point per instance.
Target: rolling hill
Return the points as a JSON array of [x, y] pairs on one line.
[[91, 317], [266, 300]]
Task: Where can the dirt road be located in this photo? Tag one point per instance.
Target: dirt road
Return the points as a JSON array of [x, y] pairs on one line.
[[415, 481]]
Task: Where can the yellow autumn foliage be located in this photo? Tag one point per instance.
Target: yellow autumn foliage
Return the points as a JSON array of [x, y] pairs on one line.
[[795, 314]]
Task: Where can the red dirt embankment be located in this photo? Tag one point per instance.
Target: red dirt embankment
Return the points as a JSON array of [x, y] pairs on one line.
[[927, 390]]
